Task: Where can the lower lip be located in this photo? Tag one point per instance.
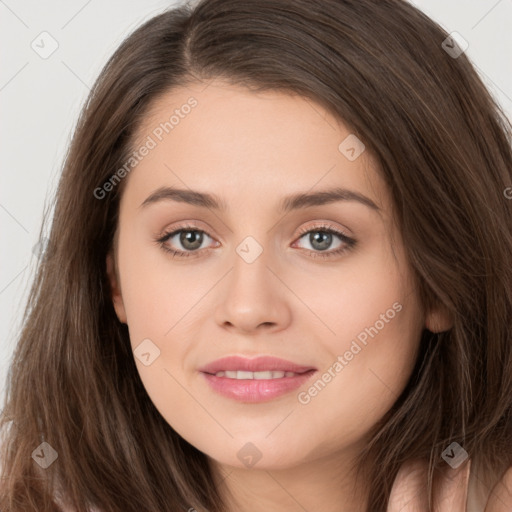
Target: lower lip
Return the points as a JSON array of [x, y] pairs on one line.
[[255, 390]]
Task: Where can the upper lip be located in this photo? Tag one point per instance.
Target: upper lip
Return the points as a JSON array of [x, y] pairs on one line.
[[257, 364]]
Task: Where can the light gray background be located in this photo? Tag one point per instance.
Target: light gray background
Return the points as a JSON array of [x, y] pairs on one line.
[[40, 100]]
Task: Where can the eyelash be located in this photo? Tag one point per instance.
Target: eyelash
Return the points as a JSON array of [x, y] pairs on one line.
[[349, 243]]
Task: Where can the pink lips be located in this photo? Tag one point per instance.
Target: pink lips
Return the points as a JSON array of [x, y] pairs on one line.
[[255, 390]]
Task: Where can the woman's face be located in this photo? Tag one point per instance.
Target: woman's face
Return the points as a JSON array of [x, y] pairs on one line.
[[264, 274]]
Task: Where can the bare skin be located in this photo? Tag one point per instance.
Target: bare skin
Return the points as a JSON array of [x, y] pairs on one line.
[[251, 150]]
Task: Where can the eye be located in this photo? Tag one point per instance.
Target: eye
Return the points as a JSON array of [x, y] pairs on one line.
[[321, 237], [189, 237], [191, 240]]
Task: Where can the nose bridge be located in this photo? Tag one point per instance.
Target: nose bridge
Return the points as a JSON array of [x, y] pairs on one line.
[[252, 295], [250, 264]]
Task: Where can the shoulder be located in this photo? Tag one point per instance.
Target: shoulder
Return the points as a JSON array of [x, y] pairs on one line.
[[465, 489], [499, 496]]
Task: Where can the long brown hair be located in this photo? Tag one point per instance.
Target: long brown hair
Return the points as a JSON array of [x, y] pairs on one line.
[[444, 148]]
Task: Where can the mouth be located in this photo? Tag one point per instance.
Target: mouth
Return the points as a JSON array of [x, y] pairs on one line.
[[263, 375], [255, 380]]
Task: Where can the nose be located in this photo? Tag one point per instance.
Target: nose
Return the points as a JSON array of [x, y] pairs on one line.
[[254, 297]]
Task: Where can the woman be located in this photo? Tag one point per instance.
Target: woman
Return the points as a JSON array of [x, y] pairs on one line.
[[278, 275]]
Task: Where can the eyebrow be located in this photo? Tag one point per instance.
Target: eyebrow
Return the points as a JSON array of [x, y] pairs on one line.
[[289, 203]]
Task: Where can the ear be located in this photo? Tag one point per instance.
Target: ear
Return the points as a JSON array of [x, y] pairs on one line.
[[115, 289], [438, 319]]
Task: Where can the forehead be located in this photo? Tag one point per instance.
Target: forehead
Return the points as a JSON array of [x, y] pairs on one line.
[[209, 135], [221, 104]]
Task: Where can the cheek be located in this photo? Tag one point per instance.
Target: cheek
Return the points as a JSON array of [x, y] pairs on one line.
[[156, 293], [159, 300], [375, 324], [353, 295], [363, 378]]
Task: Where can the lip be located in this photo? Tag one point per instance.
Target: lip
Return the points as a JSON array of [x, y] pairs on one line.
[[258, 364], [255, 390]]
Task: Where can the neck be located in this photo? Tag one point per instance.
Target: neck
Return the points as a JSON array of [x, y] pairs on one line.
[[326, 484]]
